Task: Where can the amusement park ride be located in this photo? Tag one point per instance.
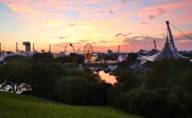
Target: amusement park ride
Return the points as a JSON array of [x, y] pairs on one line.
[[88, 52]]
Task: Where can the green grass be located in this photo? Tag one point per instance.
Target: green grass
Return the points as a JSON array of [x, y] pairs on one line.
[[19, 106]]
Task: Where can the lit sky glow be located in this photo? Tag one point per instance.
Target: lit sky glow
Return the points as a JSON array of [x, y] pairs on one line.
[[132, 24]]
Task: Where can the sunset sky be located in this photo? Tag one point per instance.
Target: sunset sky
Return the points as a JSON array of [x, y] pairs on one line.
[[132, 24]]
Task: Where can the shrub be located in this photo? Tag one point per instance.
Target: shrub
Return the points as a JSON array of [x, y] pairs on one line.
[[79, 90], [165, 90], [42, 77], [141, 101], [166, 73], [15, 71]]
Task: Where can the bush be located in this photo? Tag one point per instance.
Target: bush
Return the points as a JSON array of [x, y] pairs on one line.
[[164, 91], [79, 90], [42, 77], [55, 81], [166, 73], [142, 101], [15, 71]]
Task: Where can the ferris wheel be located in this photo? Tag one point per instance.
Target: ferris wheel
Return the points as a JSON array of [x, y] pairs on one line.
[[88, 52]]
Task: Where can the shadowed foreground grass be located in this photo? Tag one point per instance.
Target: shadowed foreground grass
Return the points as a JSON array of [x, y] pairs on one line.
[[18, 106]]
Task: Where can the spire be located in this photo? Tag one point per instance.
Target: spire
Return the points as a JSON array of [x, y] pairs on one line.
[[17, 47], [0, 47], [155, 46], [33, 47], [170, 37], [49, 48], [118, 50]]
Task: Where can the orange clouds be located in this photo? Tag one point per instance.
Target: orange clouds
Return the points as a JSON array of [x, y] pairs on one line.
[[94, 21]]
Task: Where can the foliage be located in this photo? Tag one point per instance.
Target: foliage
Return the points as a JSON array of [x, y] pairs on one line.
[[161, 90], [42, 77], [80, 90], [164, 90], [14, 71], [57, 82]]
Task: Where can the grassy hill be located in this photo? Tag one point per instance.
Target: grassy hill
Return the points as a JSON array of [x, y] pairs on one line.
[[18, 106]]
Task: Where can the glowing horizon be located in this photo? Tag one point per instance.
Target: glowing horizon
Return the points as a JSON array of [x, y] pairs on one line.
[[105, 24]]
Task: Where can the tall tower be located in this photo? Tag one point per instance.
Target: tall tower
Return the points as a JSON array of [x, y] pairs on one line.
[[0, 48], [155, 45], [33, 47], [118, 51], [17, 47], [49, 48]]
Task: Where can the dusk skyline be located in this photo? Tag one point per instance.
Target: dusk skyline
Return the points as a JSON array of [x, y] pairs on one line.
[[106, 24]]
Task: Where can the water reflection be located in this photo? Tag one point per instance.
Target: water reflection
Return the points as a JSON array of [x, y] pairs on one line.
[[111, 79]]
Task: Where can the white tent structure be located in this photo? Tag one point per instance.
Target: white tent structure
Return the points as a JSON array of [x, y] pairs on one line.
[[169, 50]]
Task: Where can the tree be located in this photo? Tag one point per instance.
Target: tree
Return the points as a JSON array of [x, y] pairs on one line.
[[79, 90]]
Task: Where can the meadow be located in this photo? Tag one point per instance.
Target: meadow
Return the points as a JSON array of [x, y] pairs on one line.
[[21, 106]]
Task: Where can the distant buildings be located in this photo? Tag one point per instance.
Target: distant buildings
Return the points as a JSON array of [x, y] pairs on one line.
[[27, 46]]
